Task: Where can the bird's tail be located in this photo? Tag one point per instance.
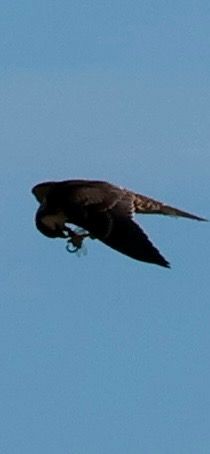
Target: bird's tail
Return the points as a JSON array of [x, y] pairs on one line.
[[146, 205]]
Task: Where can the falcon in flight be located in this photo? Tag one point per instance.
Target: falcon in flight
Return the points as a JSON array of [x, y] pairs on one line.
[[103, 211]]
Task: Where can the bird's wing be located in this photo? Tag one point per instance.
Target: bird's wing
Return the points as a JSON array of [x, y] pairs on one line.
[[83, 192], [41, 190], [115, 227], [127, 236], [99, 194]]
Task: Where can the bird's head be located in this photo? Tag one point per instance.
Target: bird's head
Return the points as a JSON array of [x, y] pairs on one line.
[[50, 224]]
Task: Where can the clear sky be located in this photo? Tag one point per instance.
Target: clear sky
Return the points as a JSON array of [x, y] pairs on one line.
[[102, 354]]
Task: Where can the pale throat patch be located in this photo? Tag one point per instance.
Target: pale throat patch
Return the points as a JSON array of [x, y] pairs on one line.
[[53, 221]]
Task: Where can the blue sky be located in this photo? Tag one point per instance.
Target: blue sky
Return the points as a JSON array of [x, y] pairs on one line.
[[101, 353]]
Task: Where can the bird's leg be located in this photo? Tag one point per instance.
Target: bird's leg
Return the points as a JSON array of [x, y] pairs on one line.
[[68, 232]]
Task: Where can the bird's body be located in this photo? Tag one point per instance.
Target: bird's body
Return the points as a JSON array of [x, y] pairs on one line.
[[103, 210]]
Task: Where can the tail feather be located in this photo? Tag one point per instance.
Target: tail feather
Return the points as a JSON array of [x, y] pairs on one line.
[[146, 205], [171, 211]]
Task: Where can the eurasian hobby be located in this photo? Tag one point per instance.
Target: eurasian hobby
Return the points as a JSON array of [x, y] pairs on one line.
[[104, 211]]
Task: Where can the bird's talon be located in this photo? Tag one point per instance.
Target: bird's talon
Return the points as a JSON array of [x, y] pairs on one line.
[[70, 247], [75, 242]]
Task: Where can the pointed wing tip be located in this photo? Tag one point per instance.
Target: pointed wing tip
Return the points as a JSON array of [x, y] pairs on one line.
[[203, 219], [168, 265], [198, 218], [40, 190], [164, 263]]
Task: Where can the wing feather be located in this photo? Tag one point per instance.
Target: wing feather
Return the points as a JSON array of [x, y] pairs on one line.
[[127, 237], [116, 228]]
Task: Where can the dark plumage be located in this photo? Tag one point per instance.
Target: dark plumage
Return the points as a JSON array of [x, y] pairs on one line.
[[104, 211]]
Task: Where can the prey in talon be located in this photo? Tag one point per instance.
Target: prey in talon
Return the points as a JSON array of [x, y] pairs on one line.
[[75, 240]]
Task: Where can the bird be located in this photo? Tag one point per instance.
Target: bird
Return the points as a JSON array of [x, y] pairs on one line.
[[101, 211]]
